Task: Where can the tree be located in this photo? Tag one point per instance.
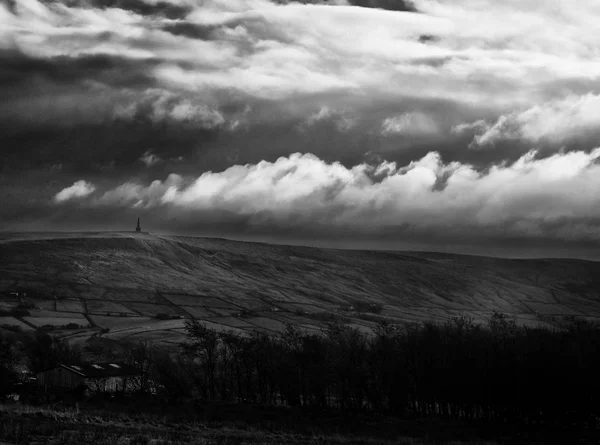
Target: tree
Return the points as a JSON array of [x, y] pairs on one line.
[[45, 352], [203, 345], [10, 357], [142, 357], [173, 372]]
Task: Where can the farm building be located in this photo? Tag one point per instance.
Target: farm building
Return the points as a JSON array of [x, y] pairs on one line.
[[93, 377]]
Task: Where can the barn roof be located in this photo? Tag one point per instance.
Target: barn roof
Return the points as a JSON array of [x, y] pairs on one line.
[[99, 370]]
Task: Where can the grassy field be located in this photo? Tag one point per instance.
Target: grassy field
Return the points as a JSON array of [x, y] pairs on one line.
[[12, 321], [22, 424], [125, 285], [57, 321], [70, 306]]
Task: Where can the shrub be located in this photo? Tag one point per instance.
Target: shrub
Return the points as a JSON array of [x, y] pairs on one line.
[[139, 439], [12, 328], [20, 312]]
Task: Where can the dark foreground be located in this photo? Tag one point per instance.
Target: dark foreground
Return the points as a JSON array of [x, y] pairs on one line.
[[244, 424], [456, 383]]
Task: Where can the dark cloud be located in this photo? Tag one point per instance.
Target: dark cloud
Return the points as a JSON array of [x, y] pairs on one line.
[[42, 216], [390, 5], [192, 30], [257, 27], [160, 8], [10, 4], [424, 38], [113, 148], [434, 62], [20, 70]]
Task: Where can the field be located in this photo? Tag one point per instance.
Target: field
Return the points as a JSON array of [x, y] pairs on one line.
[[248, 425], [57, 321], [12, 321], [136, 286], [70, 306]]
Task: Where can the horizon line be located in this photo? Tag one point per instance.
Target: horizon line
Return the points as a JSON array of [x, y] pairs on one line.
[[453, 252]]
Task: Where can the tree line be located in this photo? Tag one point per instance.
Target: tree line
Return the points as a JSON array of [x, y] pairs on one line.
[[458, 370]]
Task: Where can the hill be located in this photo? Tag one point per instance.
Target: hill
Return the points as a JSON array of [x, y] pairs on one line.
[[142, 286]]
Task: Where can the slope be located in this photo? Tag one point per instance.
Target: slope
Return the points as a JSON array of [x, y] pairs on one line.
[[133, 286]]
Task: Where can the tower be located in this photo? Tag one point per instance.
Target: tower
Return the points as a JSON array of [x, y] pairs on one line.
[[138, 228]]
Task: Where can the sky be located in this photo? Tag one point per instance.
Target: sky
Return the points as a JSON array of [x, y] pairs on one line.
[[452, 125]]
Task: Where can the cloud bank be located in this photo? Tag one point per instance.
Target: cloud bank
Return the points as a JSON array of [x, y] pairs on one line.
[[551, 197], [557, 122]]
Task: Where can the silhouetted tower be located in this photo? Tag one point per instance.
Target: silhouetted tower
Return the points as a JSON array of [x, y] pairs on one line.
[[138, 228]]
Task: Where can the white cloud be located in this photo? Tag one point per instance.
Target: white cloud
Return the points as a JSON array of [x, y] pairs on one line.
[[554, 122], [132, 194], [186, 111], [494, 56], [554, 196], [483, 49], [342, 119], [410, 124], [161, 105], [150, 159], [79, 189], [477, 126], [324, 113]]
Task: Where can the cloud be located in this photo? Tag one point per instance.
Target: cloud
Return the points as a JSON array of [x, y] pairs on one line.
[[554, 197], [341, 119], [79, 189], [410, 124], [135, 195], [272, 50], [478, 126], [392, 5], [171, 9], [150, 159], [259, 50], [160, 105], [324, 113], [99, 86], [554, 122]]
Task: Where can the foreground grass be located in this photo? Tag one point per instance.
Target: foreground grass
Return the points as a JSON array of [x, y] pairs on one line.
[[33, 425]]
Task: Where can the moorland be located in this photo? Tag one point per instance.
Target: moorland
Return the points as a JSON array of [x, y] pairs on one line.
[[123, 286]]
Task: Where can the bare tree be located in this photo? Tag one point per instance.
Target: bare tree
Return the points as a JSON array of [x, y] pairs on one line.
[[203, 345], [142, 356]]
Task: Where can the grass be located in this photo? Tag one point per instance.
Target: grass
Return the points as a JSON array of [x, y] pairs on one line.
[[22, 424], [11, 321], [124, 275], [56, 321], [102, 307], [117, 322], [70, 306]]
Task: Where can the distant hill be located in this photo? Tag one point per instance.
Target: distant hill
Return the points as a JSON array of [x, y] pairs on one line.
[[132, 286]]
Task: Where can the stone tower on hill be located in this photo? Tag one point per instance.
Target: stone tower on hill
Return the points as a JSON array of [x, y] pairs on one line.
[[138, 228]]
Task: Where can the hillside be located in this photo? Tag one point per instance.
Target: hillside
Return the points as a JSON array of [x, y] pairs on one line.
[[134, 286]]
